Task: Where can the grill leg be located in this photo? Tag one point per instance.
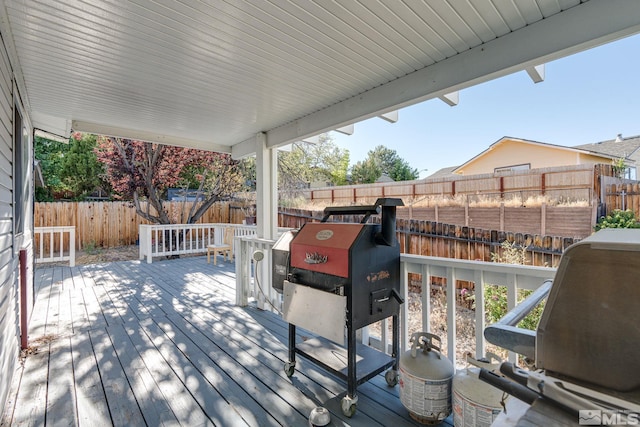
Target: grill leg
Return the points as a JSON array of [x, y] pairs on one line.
[[290, 366], [292, 343], [395, 351], [351, 360], [350, 401]]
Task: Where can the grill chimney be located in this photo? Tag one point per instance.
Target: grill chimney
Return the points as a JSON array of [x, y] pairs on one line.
[[619, 138], [387, 234]]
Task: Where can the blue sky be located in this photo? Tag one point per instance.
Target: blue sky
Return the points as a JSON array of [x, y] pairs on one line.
[[587, 97]]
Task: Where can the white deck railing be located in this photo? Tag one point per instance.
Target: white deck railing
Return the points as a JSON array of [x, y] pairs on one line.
[[182, 239], [514, 277], [61, 244]]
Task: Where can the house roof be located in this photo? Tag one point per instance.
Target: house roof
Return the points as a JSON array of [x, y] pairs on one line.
[[443, 172], [233, 75], [618, 148]]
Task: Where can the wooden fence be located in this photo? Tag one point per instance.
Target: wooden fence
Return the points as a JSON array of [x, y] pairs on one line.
[[574, 221], [430, 238], [623, 196], [559, 184], [112, 224]]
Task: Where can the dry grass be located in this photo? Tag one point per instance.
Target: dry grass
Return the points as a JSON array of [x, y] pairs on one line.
[[465, 324], [495, 201], [472, 200]]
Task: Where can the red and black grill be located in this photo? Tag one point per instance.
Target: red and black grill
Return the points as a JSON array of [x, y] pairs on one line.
[[337, 278]]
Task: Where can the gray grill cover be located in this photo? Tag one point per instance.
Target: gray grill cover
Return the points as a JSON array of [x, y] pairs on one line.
[[590, 328]]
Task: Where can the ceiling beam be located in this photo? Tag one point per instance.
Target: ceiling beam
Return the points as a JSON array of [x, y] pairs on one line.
[[391, 116], [54, 125], [451, 99], [139, 135], [347, 130], [576, 29], [536, 73]]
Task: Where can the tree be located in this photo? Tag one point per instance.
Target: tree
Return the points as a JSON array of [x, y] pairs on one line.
[[142, 170], [382, 160], [50, 156], [309, 162], [81, 172]]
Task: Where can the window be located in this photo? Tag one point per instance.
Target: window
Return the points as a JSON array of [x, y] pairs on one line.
[[19, 172], [629, 173], [522, 167]]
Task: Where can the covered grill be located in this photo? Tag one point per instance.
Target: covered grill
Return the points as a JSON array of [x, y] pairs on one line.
[[587, 344], [337, 278]]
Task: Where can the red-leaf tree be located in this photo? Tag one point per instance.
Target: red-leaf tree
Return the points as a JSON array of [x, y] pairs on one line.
[[140, 170]]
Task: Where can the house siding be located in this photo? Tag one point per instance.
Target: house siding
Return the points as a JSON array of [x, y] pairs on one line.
[[512, 153], [10, 243]]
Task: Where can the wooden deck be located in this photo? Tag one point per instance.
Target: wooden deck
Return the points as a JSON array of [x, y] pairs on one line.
[[134, 344]]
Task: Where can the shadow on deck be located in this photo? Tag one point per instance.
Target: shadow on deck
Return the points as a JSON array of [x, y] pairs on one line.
[[133, 344]]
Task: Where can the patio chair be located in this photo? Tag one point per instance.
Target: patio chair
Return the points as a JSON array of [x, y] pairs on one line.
[[224, 248]]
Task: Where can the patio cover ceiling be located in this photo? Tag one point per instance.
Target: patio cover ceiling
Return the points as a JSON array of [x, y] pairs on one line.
[[213, 74]]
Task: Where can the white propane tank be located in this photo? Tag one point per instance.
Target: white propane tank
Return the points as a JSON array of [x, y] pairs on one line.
[[476, 403], [425, 380]]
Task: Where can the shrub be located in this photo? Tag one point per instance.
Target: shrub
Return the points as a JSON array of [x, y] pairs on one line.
[[495, 297], [618, 219]]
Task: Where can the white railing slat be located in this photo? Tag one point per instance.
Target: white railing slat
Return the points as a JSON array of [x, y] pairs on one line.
[[181, 239], [53, 254]]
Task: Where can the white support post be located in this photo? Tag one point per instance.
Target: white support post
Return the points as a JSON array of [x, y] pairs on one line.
[[266, 188]]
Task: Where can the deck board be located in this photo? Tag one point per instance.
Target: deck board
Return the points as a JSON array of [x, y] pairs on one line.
[[135, 344], [91, 400]]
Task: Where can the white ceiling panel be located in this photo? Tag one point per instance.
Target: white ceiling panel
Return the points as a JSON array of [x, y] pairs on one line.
[[213, 74]]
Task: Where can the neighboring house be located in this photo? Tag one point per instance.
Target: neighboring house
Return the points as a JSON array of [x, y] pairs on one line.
[[182, 195], [16, 217], [510, 154], [443, 173], [384, 178], [620, 148]]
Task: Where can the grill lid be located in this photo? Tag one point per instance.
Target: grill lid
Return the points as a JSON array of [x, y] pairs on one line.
[[324, 247], [590, 327]]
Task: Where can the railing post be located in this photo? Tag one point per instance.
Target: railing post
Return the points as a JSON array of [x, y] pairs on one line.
[[512, 295], [242, 274], [426, 298], [142, 241], [150, 248], [478, 280], [404, 313], [72, 247], [451, 314]]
